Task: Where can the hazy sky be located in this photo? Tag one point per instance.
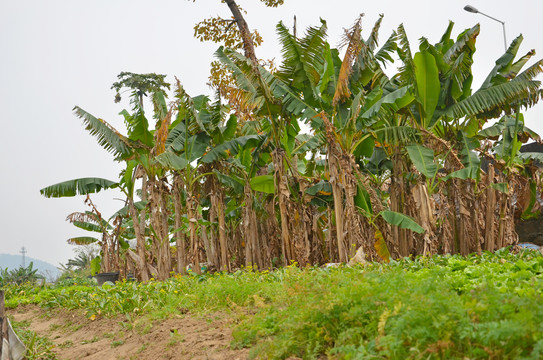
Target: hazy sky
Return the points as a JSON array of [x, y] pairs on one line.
[[56, 54]]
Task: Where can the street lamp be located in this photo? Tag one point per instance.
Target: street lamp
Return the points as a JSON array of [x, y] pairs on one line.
[[471, 9]]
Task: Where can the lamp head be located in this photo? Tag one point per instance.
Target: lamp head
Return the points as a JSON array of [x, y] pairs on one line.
[[471, 9]]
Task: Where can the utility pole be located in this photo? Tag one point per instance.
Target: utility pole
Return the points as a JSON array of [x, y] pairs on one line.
[[23, 251]]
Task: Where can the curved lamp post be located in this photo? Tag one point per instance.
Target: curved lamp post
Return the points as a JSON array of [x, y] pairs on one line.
[[471, 9]]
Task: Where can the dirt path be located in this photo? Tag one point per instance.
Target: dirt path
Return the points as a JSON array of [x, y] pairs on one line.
[[185, 337]]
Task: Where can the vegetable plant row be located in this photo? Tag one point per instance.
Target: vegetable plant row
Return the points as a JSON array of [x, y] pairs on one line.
[[453, 307]]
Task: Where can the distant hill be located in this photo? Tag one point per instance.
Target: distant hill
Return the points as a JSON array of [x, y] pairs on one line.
[[15, 261]]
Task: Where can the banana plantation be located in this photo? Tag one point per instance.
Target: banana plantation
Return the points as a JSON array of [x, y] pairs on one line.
[[370, 151]]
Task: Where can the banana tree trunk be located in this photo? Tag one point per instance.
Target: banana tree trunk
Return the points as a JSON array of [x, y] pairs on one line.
[[318, 250], [116, 244], [283, 194], [250, 230], [159, 219], [490, 244], [398, 201], [337, 181], [141, 265], [179, 235], [104, 265], [193, 222], [166, 248], [504, 200], [272, 234], [337, 193], [225, 266], [143, 213], [424, 216], [329, 239], [214, 217]]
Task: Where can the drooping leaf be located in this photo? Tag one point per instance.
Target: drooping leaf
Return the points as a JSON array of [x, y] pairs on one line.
[[400, 134], [321, 188], [82, 186], [364, 147], [401, 220], [109, 138], [291, 101], [88, 226], [381, 246], [390, 102], [531, 156], [469, 144], [423, 159], [465, 173], [501, 187], [499, 97], [231, 148], [308, 143], [531, 72], [528, 213], [363, 201], [91, 218], [172, 161], [491, 132], [263, 183], [177, 137], [230, 129], [230, 181], [190, 147], [82, 240]]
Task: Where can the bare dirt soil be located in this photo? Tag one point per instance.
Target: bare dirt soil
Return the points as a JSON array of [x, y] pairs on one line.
[[183, 337]]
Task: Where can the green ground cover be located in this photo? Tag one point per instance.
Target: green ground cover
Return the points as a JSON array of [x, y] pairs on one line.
[[448, 307]]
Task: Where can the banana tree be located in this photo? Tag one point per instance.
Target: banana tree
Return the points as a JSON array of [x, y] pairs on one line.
[[443, 107], [230, 153], [113, 239], [135, 149], [91, 221], [185, 145]]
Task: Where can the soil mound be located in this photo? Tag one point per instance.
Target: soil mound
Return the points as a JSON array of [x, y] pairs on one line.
[[182, 337]]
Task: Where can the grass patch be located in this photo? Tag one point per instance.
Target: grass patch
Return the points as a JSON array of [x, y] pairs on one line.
[[38, 347], [117, 343], [90, 341]]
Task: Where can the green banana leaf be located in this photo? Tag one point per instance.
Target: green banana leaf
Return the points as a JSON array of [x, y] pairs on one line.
[[82, 240], [263, 183], [423, 159], [82, 186], [401, 220], [428, 85]]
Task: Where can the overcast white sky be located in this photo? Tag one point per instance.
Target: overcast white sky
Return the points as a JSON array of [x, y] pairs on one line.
[[59, 53]]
